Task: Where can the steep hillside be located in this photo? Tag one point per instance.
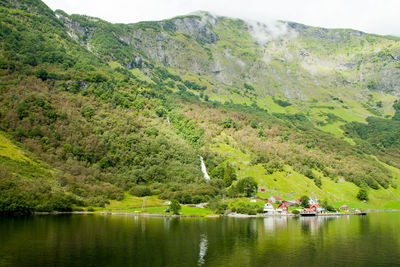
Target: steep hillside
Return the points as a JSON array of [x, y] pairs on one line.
[[332, 75], [113, 108]]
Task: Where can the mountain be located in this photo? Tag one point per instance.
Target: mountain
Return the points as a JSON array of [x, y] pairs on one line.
[[333, 75], [114, 108]]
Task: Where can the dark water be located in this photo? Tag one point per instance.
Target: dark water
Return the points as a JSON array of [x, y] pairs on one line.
[[97, 240]]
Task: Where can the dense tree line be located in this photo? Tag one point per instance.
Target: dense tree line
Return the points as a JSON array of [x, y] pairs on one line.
[[379, 136]]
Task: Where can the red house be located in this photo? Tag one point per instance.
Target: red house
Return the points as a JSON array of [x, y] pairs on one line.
[[283, 207], [314, 207]]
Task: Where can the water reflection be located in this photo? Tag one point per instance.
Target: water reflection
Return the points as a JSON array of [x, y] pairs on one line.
[[203, 249], [314, 225], [275, 222], [138, 241]]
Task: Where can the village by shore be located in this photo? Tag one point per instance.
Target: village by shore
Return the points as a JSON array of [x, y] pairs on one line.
[[273, 206], [233, 215], [305, 206], [245, 207]]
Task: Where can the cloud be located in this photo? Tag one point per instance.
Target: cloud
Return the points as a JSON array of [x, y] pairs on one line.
[[374, 16], [266, 31]]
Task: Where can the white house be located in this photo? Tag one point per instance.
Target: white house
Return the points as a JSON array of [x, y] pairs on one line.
[[269, 208]]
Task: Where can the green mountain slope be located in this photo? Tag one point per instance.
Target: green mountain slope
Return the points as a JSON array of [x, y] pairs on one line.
[[332, 75], [114, 108]]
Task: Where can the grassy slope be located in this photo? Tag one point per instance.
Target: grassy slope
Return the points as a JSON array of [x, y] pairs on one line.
[[148, 205], [25, 167], [12, 151], [290, 184]]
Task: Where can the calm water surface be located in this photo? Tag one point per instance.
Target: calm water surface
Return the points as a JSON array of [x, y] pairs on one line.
[[97, 240]]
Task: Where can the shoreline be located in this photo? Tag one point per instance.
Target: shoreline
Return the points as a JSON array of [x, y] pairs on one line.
[[232, 215], [118, 213]]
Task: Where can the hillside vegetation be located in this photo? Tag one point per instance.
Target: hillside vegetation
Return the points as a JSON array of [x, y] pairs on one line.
[[92, 111]]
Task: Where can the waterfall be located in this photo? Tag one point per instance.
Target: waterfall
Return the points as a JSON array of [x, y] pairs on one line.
[[204, 169]]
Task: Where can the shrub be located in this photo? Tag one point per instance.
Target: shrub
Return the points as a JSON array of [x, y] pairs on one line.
[[318, 182], [253, 124], [248, 86], [244, 208], [252, 212], [229, 123], [363, 194], [248, 186], [304, 201], [295, 212], [42, 74], [97, 201], [160, 111], [327, 206], [181, 87], [281, 102], [260, 210], [217, 205], [372, 85], [87, 111], [13, 200], [140, 191], [229, 174], [175, 207], [22, 110]]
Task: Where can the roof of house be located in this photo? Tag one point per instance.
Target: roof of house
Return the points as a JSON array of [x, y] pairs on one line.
[[276, 197], [282, 205]]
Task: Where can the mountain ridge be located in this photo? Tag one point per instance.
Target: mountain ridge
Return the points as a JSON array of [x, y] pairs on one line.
[[167, 25]]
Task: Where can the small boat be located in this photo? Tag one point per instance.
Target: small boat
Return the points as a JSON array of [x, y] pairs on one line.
[[308, 214], [359, 212]]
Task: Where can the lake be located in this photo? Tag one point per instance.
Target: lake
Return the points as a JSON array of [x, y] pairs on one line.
[[114, 240]]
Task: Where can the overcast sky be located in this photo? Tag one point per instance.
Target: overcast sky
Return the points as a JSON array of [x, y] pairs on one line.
[[373, 16]]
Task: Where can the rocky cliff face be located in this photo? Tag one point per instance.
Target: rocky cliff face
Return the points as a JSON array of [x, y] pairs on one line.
[[282, 59]]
